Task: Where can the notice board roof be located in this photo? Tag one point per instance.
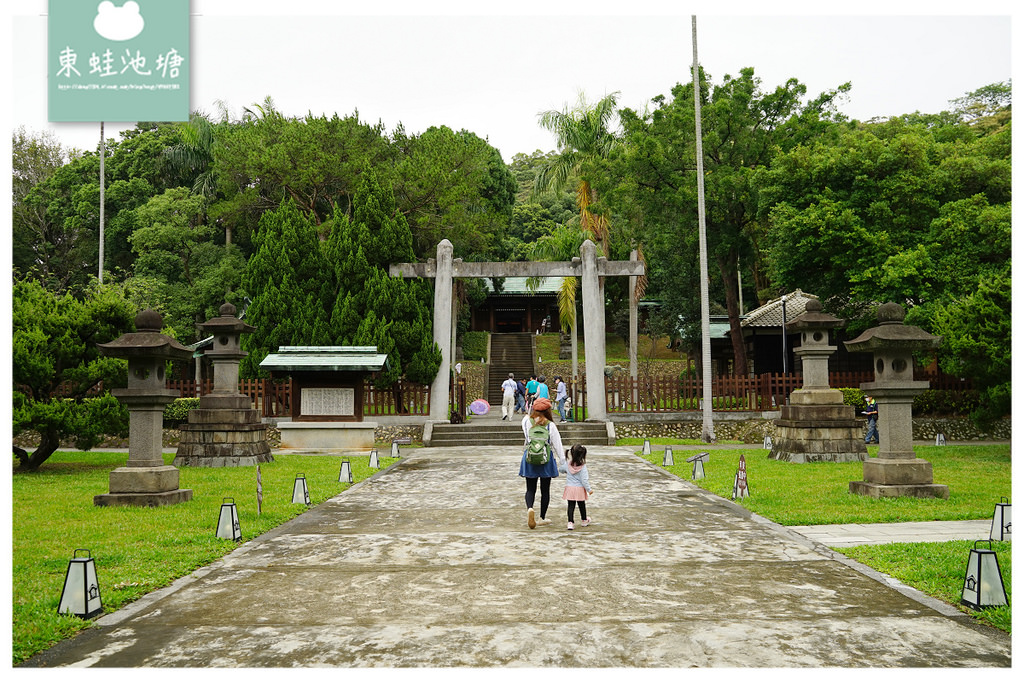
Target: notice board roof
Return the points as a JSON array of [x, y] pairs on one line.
[[325, 358]]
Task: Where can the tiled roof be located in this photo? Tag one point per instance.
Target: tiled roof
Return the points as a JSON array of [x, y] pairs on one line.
[[770, 315]]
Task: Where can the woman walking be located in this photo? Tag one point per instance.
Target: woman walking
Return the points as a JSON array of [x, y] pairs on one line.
[[542, 439]]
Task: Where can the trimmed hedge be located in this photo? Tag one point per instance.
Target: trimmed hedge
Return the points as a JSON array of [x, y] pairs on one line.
[[176, 411]]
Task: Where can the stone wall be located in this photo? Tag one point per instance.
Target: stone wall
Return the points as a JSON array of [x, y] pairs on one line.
[[737, 428], [753, 430]]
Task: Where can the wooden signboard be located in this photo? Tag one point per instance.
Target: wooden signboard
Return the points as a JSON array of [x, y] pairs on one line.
[[739, 485]]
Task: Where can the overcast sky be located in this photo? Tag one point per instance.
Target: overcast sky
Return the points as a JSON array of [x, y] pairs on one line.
[[493, 74]]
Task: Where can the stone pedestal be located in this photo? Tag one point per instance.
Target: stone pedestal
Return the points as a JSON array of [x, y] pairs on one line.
[[327, 437], [144, 486]]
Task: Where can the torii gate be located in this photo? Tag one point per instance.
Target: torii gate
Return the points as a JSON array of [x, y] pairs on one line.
[[588, 267]]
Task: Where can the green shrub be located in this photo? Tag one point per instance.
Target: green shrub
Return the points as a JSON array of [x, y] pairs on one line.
[[474, 345], [176, 411], [853, 397]]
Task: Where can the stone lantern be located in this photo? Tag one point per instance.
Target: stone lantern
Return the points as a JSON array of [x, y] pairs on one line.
[[225, 431], [145, 479], [816, 426], [897, 471]]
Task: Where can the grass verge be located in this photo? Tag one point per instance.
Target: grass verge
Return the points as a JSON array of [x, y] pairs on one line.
[[938, 569], [818, 493], [138, 550]]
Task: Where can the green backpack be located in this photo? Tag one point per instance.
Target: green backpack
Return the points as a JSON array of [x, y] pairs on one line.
[[538, 446]]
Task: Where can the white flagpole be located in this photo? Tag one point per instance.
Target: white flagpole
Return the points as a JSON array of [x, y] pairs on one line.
[[708, 428]]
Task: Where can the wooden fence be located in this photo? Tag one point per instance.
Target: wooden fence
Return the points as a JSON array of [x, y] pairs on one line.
[[273, 398], [759, 393], [661, 394]]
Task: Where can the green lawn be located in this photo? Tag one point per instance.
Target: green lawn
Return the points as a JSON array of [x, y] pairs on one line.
[[818, 493], [138, 550]]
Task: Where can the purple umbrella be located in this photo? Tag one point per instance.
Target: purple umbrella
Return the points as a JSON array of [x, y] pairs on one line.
[[480, 406]]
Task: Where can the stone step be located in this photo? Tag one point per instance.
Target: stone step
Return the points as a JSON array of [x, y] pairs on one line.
[[512, 435]]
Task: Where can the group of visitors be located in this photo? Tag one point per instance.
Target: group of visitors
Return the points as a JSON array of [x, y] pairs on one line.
[[543, 458], [517, 397]]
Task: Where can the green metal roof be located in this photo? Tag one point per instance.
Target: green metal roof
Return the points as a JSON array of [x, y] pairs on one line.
[[325, 358], [517, 285]]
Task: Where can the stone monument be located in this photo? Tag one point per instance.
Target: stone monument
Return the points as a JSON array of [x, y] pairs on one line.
[[225, 430], [145, 480], [816, 426], [897, 471]]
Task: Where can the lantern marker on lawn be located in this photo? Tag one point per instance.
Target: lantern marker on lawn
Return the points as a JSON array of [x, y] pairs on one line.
[[983, 582], [1001, 521], [300, 492], [698, 464], [81, 594], [227, 524]]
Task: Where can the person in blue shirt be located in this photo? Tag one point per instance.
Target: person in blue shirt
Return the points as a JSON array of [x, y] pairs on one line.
[[531, 392], [521, 396], [542, 388]]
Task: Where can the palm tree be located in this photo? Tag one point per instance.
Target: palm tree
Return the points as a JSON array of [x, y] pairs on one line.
[[582, 137]]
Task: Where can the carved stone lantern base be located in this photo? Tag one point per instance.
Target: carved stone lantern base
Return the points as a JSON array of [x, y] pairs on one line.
[[223, 432], [817, 427]]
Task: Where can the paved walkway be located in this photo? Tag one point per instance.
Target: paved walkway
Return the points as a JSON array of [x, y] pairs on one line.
[[430, 563], [845, 535]]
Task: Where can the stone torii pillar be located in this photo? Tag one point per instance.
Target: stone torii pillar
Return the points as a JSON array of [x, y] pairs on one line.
[[443, 323], [593, 332]]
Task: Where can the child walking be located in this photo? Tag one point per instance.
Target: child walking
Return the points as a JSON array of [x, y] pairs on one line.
[[577, 484]]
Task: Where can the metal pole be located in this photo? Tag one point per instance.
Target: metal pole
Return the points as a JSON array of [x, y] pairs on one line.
[[103, 182], [708, 428]]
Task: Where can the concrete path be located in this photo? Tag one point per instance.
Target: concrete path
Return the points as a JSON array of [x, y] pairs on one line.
[[431, 564], [846, 535]]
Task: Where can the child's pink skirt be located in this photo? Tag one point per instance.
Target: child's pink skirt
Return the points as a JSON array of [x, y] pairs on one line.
[[574, 493]]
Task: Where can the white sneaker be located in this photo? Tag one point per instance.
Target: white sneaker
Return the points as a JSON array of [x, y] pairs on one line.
[[530, 520], [585, 522], [543, 522], [569, 528]]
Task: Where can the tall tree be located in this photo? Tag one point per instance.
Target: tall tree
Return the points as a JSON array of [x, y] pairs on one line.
[[35, 158], [743, 128]]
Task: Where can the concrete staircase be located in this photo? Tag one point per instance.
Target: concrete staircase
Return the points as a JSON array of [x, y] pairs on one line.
[[491, 433], [510, 352]]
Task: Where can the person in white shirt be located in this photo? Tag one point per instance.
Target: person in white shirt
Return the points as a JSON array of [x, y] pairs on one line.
[[508, 397]]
